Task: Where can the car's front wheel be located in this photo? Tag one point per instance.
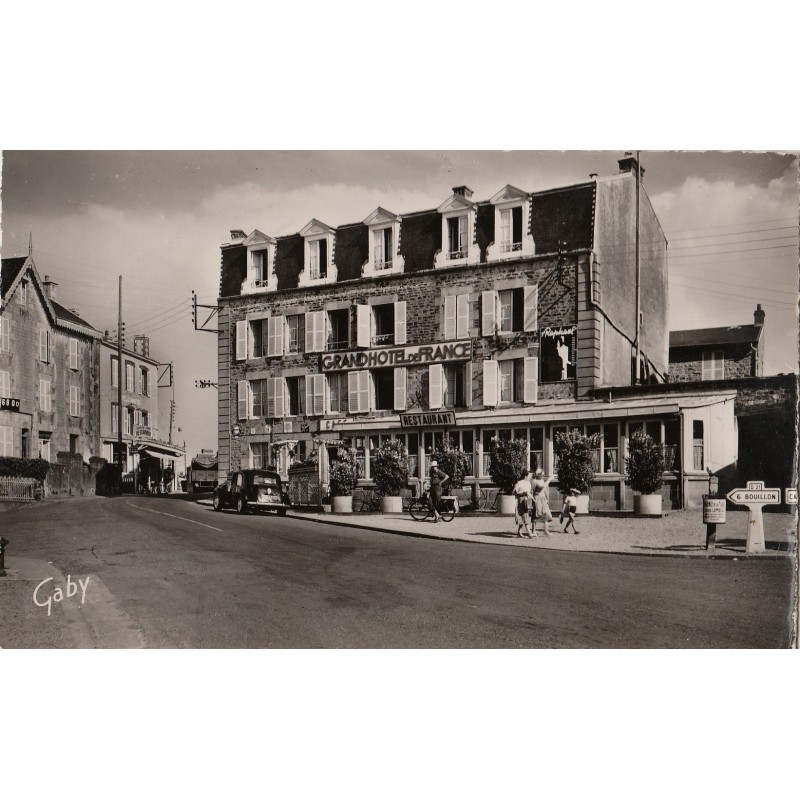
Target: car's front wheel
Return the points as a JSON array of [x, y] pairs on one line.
[[217, 503], [241, 505]]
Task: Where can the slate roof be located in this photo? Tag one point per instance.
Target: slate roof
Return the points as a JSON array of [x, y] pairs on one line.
[[735, 334], [68, 316], [10, 269]]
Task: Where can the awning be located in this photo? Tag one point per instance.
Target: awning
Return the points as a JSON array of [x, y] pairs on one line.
[[161, 451]]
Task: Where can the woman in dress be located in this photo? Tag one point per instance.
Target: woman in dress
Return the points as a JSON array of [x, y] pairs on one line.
[[540, 502], [437, 478]]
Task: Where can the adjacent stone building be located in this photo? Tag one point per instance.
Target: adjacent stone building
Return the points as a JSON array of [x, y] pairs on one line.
[[505, 317]]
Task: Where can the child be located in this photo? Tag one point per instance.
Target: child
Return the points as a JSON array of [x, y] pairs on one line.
[[568, 510]]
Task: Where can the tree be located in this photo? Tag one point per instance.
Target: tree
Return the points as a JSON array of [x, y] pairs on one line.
[[454, 462], [508, 459], [574, 453], [390, 468], [344, 472], [645, 463]]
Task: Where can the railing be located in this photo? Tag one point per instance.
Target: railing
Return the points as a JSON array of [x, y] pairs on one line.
[[379, 265], [383, 338], [338, 344], [20, 489], [260, 284], [453, 254], [511, 248]]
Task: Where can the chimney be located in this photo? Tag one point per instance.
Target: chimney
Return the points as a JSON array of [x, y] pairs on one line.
[[50, 287], [629, 164], [758, 315], [463, 191], [237, 236], [593, 176]]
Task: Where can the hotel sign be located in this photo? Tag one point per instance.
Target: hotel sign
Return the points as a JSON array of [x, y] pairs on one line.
[[414, 355], [9, 404], [428, 419]]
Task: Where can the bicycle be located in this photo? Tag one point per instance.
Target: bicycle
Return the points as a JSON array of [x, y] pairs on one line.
[[370, 501], [420, 510]]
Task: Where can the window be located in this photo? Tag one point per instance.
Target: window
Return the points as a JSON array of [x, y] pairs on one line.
[[384, 324], [358, 391], [259, 455], [260, 264], [128, 421], [44, 346], [339, 329], [457, 316], [318, 259], [698, 455], [259, 330], [259, 395], [411, 443], [5, 383], [24, 439], [295, 333], [512, 381], [73, 442], [22, 294], [6, 440], [145, 381], [45, 398], [114, 418], [511, 307], [511, 229], [296, 393], [536, 451], [337, 392], [713, 365], [145, 419], [381, 324], [5, 335], [44, 445], [73, 354], [382, 248], [455, 386], [114, 372], [457, 242], [383, 380], [672, 450], [509, 310], [74, 401], [557, 353], [129, 376]]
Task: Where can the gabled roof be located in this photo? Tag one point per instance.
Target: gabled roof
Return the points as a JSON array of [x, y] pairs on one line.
[[65, 315], [10, 270], [379, 216], [456, 202], [736, 334], [315, 227], [508, 194], [256, 237]]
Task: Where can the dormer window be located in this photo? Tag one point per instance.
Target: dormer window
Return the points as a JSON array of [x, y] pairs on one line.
[[511, 213], [318, 266], [384, 238], [458, 229], [260, 263]]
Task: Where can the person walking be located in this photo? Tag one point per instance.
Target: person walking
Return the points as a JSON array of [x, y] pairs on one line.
[[437, 478], [569, 509], [540, 502], [523, 492]]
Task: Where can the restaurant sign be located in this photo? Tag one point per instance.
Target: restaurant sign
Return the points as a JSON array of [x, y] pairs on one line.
[[428, 419], [9, 404], [414, 355]]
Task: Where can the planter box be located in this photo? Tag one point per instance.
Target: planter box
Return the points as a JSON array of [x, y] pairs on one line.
[[392, 505], [506, 504], [342, 505], [649, 504], [582, 501]]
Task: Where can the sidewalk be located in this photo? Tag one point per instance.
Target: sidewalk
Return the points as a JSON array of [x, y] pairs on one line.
[[679, 533]]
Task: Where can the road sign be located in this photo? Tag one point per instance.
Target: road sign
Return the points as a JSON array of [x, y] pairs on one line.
[[791, 496], [755, 496], [713, 510]]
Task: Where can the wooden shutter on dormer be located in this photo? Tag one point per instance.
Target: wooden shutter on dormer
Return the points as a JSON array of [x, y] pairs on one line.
[[449, 317], [363, 326], [488, 313], [490, 383], [531, 380], [400, 322], [531, 308], [435, 386], [462, 316], [400, 389]]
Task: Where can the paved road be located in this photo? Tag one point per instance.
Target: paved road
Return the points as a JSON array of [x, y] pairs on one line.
[[170, 573]]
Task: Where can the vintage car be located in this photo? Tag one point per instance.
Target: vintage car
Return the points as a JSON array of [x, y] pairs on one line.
[[251, 490]]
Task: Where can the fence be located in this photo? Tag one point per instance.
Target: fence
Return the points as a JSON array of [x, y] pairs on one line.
[[20, 489]]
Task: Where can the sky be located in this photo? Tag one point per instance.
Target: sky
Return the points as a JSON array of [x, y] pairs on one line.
[[158, 218]]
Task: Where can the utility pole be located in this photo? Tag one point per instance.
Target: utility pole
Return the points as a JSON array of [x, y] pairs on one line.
[[638, 370], [119, 384]]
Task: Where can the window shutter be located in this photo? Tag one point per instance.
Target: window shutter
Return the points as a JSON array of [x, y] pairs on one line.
[[435, 386], [400, 322], [450, 317], [363, 390], [505, 228], [531, 307], [242, 390], [490, 383], [352, 392], [275, 336], [277, 398], [311, 322], [400, 389], [463, 242], [319, 332], [318, 407], [462, 316], [488, 304], [73, 354], [363, 326], [241, 340], [43, 346], [377, 243], [531, 380], [310, 383]]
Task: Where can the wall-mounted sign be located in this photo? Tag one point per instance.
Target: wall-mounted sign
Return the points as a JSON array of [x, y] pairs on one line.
[[9, 404], [236, 430], [791, 496], [415, 355], [428, 419], [143, 432]]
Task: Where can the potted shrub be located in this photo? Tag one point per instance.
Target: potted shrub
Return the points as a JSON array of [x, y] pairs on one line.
[[576, 468], [343, 476], [507, 461], [645, 466], [389, 466], [454, 462]]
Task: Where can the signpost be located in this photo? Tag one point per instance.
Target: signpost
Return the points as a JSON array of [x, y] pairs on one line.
[[713, 515], [755, 497]]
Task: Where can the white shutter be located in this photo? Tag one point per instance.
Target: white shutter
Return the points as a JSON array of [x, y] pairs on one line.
[[462, 316], [488, 313], [450, 317], [276, 397], [139, 382], [43, 346], [319, 331], [363, 326], [363, 390], [377, 244], [243, 389], [463, 241], [318, 406], [490, 383], [311, 322], [310, 393], [531, 380], [241, 340], [468, 384], [435, 386], [352, 392], [73, 354], [400, 389], [400, 322], [275, 336], [531, 307]]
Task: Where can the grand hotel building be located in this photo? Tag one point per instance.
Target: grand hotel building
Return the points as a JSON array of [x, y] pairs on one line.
[[513, 316]]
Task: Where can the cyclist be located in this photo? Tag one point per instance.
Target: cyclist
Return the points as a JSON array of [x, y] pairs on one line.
[[437, 478]]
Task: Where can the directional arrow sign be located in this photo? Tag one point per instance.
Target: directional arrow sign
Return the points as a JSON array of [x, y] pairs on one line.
[[755, 496]]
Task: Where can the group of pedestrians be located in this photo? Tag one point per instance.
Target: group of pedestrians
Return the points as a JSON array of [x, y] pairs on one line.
[[532, 505]]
